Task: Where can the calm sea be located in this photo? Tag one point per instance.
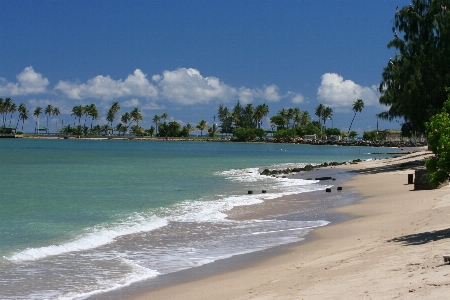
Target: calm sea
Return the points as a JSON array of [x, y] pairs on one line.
[[78, 218]]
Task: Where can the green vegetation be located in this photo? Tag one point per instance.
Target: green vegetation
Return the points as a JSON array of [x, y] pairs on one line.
[[369, 135], [439, 142], [413, 82]]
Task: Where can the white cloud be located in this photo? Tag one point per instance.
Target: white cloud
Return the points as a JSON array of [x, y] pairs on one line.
[[131, 103], [337, 92], [188, 86], [271, 94], [297, 98], [29, 82], [104, 87], [247, 95]]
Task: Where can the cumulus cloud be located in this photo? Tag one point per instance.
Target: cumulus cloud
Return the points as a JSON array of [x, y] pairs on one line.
[[180, 87], [297, 98], [28, 82], [337, 92], [104, 87], [247, 95], [188, 86], [270, 93], [131, 103]]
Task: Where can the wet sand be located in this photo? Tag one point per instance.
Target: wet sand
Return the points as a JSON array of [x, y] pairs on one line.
[[392, 247]]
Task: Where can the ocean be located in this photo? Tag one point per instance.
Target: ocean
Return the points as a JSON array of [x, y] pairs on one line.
[[82, 217]]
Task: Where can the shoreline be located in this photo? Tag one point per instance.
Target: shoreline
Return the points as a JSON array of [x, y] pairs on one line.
[[392, 247], [344, 143]]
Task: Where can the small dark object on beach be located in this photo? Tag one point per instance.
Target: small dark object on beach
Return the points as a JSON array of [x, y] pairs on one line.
[[334, 178], [328, 190], [264, 191], [447, 259], [323, 178], [308, 178], [250, 192], [339, 188]]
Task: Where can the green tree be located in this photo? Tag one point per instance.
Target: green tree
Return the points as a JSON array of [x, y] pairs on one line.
[[305, 118], [260, 112], [37, 112], [92, 112], [327, 113], [225, 118], [438, 128], [279, 121], [112, 113], [137, 130], [48, 111], [352, 134], [413, 82], [126, 119], [202, 125], [56, 112], [12, 110], [136, 115], [156, 120], [150, 131], [78, 112], [23, 114], [370, 135], [358, 106], [2, 110], [164, 116], [333, 131]]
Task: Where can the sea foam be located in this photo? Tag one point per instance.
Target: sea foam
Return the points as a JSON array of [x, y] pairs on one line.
[[93, 238]]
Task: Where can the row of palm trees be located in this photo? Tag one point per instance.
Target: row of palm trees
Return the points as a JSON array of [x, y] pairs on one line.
[[239, 116], [91, 111]]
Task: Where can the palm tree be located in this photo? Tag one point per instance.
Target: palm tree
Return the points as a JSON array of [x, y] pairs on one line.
[[260, 112], [23, 114], [305, 118], [12, 110], [165, 117], [189, 127], [150, 131], [105, 128], [156, 120], [92, 112], [202, 125], [7, 106], [319, 111], [136, 115], [358, 105], [2, 109], [56, 112], [295, 116], [78, 112], [121, 128], [126, 118], [37, 113], [112, 112], [20, 109], [326, 114], [48, 111]]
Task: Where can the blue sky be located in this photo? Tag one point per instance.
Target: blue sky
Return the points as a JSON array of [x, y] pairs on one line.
[[184, 58]]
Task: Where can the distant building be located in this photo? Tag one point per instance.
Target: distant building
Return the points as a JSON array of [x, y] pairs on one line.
[[390, 135], [311, 137]]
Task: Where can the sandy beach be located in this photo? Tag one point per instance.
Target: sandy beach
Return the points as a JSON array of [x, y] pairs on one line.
[[392, 249]]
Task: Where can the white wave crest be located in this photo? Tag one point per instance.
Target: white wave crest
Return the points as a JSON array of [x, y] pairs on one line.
[[98, 236]]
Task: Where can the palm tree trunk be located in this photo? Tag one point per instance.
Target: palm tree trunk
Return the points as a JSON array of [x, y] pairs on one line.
[[351, 123]]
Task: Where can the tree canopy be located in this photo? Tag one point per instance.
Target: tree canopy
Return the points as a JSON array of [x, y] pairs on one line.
[[413, 82]]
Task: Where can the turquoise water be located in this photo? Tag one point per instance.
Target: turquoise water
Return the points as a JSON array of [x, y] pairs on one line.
[[130, 210]]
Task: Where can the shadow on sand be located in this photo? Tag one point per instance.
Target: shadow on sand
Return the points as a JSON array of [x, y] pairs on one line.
[[422, 238]]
